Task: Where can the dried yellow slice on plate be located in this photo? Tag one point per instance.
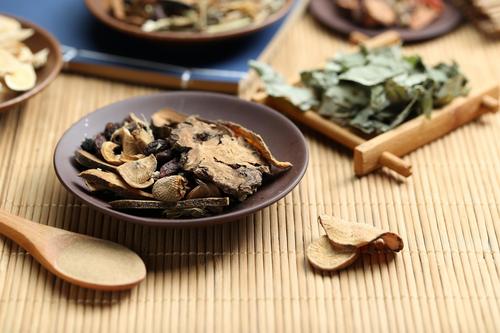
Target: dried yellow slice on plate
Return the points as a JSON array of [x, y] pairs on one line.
[[138, 174], [323, 255], [22, 78], [8, 24], [355, 235]]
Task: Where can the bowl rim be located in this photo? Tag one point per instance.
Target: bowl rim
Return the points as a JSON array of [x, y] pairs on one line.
[[183, 37], [54, 44], [193, 222]]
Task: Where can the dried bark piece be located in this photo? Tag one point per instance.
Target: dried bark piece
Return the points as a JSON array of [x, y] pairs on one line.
[[380, 11], [103, 180], [422, 16], [172, 188], [256, 142], [108, 153], [214, 155], [322, 255], [89, 160], [138, 174], [356, 235], [184, 204]]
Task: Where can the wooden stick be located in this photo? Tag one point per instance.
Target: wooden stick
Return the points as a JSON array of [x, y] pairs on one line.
[[421, 130]]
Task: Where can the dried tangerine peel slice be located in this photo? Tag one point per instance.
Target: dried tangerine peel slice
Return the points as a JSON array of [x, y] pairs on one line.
[[356, 235], [323, 255], [108, 153]]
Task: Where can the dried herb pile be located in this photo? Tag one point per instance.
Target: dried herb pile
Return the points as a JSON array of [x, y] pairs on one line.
[[371, 91], [208, 16], [414, 14], [17, 62], [178, 165]]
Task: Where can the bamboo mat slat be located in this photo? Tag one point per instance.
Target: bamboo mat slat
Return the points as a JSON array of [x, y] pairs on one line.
[[251, 275]]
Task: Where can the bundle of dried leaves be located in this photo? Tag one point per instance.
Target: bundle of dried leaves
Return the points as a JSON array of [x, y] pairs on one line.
[[344, 242], [208, 16], [182, 166], [371, 91], [415, 14], [17, 61]]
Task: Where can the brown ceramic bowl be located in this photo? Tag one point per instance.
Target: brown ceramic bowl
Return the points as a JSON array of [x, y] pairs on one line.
[[101, 10], [41, 39], [282, 136], [329, 15]]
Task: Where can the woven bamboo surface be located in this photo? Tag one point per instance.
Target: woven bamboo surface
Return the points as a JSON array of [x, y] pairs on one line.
[[251, 275]]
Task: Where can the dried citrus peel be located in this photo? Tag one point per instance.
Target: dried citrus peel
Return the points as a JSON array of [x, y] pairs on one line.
[[344, 242]]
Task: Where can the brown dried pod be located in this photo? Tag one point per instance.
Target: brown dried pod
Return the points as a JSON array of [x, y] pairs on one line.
[[89, 160], [356, 235], [103, 180], [108, 149], [204, 190], [172, 188], [138, 174], [322, 255]]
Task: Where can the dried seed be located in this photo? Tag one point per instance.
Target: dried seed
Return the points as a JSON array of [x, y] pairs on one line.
[[170, 168], [172, 188], [355, 235], [322, 255], [138, 174], [156, 147], [88, 160]]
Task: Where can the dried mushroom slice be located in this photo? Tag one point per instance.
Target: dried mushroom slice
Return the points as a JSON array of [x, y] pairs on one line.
[[108, 152], [89, 160], [103, 180], [166, 117], [322, 255], [123, 137], [170, 189], [355, 235], [256, 142], [138, 174]]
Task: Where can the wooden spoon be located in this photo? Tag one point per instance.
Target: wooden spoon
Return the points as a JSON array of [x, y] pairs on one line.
[[79, 259]]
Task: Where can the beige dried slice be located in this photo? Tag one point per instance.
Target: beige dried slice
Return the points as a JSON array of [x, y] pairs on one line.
[[22, 78], [40, 58], [103, 180], [167, 117], [381, 11], [24, 54], [142, 137], [422, 16], [108, 149], [8, 24], [128, 143], [356, 235], [8, 62], [138, 174], [256, 142], [204, 190], [12, 36], [322, 255], [89, 160], [126, 158], [170, 189]]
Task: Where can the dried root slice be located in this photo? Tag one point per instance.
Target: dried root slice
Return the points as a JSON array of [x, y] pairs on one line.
[[103, 180], [138, 174], [88, 160], [322, 255], [127, 141], [204, 190], [184, 204], [142, 138], [170, 189], [22, 78], [355, 235], [108, 153], [258, 144], [8, 24]]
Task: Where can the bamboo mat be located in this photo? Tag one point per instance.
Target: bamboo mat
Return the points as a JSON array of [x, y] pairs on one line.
[[251, 275]]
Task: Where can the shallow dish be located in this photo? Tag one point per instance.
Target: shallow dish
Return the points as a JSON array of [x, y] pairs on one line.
[[45, 75], [101, 10], [283, 138], [329, 15]]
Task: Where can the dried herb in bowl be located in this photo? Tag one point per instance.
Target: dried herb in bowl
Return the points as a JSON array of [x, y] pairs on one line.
[[207, 16], [178, 165], [371, 91]]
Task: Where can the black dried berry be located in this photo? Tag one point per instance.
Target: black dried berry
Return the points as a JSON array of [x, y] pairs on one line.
[[164, 156], [170, 168], [89, 146], [156, 146], [110, 129], [98, 141]]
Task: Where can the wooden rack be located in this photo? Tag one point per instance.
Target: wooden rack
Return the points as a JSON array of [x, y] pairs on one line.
[[386, 149]]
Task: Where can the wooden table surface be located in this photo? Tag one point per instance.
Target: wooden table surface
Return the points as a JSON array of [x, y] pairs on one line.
[[251, 275]]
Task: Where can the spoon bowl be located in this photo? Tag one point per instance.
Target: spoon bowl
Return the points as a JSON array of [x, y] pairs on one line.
[[85, 261]]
